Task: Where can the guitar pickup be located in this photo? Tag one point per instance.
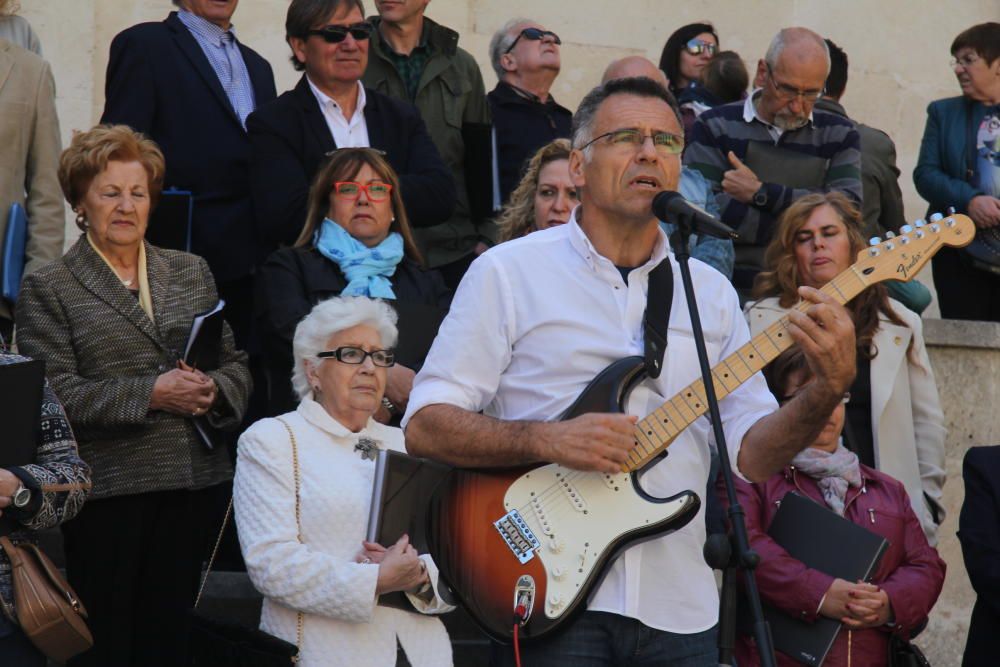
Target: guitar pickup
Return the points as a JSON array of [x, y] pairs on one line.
[[519, 538]]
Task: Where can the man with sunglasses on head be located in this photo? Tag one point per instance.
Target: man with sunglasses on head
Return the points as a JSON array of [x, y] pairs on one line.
[[765, 152], [525, 57], [538, 317], [328, 109], [189, 84], [417, 60]]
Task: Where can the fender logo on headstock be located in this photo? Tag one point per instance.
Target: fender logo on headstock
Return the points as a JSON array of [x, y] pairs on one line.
[[904, 269]]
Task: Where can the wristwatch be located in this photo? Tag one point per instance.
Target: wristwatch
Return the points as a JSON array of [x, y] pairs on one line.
[[760, 197], [22, 497], [390, 406]]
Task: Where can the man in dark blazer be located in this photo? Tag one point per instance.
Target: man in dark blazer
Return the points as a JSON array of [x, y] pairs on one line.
[[188, 84], [979, 534], [292, 135]]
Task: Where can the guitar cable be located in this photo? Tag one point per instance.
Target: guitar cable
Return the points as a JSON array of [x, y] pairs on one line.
[[520, 612]]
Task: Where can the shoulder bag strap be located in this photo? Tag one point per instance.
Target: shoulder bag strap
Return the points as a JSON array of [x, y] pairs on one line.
[[659, 300], [298, 526]]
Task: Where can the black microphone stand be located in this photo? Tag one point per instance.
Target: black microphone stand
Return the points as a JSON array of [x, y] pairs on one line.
[[735, 551]]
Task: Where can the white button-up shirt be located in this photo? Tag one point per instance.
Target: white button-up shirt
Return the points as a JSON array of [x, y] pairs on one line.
[[533, 321], [347, 132]]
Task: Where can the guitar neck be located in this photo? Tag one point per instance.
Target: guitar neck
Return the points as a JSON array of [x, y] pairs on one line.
[[656, 431]]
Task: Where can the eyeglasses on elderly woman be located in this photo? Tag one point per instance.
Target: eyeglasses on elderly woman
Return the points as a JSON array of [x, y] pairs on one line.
[[350, 354]]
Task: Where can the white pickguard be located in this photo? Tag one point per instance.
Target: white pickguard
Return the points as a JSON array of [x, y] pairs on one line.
[[575, 516]]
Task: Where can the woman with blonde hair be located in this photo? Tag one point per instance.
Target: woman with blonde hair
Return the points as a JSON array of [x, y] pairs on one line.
[[545, 196], [356, 241], [16, 29], [894, 419]]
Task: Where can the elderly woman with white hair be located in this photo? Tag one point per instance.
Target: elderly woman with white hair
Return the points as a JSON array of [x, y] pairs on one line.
[[301, 496]]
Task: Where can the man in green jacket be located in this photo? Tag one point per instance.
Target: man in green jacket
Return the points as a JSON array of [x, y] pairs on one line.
[[417, 60]]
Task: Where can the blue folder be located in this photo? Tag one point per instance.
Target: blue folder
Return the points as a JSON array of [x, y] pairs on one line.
[[15, 240]]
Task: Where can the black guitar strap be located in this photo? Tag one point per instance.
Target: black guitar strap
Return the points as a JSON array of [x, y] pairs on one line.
[[659, 299]]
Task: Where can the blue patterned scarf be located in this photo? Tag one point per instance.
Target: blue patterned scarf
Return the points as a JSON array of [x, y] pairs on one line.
[[367, 269]]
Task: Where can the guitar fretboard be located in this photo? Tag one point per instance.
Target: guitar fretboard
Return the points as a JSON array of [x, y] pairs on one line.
[[657, 430]]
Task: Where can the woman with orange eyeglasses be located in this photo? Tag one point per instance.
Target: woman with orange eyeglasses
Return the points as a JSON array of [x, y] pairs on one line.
[[356, 241]]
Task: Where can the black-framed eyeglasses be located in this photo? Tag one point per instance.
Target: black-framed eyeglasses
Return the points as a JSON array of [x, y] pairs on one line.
[[349, 354], [665, 143], [334, 34], [534, 34], [789, 93], [698, 46]]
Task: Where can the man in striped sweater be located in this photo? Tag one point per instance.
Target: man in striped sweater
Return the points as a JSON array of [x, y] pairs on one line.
[[763, 153]]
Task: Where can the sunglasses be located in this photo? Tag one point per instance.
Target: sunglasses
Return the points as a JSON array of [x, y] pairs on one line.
[[335, 34], [698, 46], [534, 34], [352, 190]]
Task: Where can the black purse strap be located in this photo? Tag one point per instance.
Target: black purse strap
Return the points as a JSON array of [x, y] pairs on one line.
[[655, 321]]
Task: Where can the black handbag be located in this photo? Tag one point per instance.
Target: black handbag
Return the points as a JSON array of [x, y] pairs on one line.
[[905, 654], [220, 643]]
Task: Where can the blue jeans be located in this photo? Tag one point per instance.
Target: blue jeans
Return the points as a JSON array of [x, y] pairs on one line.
[[600, 639]]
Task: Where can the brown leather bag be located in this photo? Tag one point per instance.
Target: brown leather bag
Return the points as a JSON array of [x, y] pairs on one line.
[[47, 608]]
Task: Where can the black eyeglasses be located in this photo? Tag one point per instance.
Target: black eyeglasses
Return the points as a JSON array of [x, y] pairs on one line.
[[696, 46], [355, 355], [664, 142], [335, 34], [534, 34]]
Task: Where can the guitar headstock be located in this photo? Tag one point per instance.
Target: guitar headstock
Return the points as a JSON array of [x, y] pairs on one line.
[[900, 257]]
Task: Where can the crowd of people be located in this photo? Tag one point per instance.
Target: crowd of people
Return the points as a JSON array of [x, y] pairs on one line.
[[409, 262]]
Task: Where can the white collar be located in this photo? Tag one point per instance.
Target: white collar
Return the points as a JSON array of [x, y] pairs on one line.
[[316, 414], [325, 100], [582, 245], [750, 109]]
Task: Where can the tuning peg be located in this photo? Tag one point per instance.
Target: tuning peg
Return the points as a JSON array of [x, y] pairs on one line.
[[950, 210], [935, 217], [890, 235], [919, 223], [873, 241], [905, 229]]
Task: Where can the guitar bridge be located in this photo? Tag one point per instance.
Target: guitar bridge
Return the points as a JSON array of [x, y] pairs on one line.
[[517, 535]]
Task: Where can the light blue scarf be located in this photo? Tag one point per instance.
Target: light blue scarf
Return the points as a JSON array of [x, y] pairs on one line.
[[367, 269]]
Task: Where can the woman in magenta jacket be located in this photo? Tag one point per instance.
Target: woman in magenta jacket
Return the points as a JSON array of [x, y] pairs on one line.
[[909, 576]]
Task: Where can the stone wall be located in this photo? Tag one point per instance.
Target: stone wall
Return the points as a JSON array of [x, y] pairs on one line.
[[966, 361]]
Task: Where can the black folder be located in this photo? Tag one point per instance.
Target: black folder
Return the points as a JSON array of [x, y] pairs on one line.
[[827, 542], [204, 351], [21, 386], [401, 496]]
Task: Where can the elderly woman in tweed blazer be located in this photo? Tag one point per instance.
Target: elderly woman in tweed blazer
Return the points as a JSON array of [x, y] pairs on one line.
[[111, 320]]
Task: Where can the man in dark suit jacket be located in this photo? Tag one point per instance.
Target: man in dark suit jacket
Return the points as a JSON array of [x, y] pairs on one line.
[[164, 80], [979, 534], [292, 135]]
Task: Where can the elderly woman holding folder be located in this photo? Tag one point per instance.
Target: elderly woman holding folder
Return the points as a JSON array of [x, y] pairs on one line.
[[302, 495], [907, 579], [111, 320]]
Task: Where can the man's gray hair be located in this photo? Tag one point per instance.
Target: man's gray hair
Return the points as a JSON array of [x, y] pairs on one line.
[[640, 86], [332, 316], [501, 41], [791, 35]]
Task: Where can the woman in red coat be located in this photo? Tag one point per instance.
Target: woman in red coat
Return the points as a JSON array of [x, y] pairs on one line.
[[909, 576]]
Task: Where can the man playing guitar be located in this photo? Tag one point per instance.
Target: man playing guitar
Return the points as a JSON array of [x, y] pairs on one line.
[[535, 319]]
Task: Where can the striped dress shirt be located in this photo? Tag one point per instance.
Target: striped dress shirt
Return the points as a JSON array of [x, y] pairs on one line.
[[223, 53]]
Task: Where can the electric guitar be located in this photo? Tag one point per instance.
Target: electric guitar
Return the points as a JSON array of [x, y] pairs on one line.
[[530, 543]]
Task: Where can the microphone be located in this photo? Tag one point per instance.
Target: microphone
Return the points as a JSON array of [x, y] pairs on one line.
[[673, 208]]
